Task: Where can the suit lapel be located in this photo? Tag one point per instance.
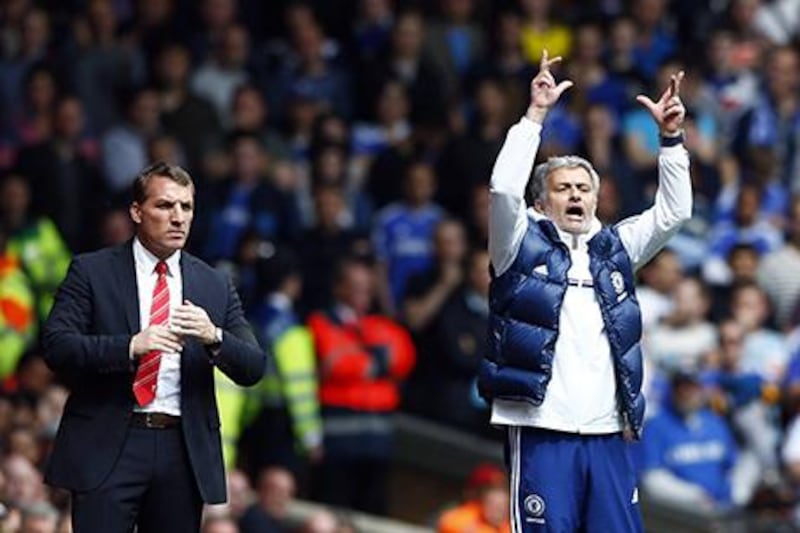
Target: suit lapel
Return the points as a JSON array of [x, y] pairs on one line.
[[125, 269], [190, 292], [188, 279]]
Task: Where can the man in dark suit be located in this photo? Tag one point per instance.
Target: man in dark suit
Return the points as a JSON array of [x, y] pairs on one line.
[[136, 331]]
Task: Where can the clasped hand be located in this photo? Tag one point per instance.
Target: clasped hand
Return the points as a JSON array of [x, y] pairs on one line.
[[186, 320]]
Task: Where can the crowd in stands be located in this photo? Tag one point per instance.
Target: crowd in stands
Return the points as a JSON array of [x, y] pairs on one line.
[[341, 151]]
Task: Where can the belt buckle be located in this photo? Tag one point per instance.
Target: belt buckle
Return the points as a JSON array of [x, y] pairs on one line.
[[148, 420]]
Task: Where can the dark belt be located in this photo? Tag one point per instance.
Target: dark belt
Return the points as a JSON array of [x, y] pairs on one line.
[[154, 420]]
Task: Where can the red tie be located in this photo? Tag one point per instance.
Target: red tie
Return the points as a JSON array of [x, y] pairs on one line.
[[144, 385]]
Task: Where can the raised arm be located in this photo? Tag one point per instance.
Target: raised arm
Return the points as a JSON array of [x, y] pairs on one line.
[[512, 169], [645, 234]]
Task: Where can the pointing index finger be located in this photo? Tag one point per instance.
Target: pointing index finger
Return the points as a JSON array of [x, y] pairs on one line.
[[675, 83]]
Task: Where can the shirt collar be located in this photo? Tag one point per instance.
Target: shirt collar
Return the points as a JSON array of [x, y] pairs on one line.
[[146, 260], [570, 239]]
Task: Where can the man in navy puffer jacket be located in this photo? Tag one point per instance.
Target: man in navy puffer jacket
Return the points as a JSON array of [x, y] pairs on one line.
[[564, 370]]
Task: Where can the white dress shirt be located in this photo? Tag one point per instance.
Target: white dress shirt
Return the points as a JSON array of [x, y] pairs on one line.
[[168, 387], [581, 395]]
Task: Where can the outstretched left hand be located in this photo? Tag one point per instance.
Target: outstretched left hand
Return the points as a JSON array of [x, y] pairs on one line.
[[668, 111]]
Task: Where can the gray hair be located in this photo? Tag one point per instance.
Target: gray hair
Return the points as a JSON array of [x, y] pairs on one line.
[[538, 185]]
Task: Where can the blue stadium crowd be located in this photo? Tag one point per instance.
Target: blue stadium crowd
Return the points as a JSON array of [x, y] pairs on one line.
[[341, 151]]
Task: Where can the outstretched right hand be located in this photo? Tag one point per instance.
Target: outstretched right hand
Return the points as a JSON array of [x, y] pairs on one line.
[[156, 338], [544, 91]]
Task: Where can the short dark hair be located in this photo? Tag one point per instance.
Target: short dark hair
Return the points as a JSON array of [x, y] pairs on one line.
[[160, 169]]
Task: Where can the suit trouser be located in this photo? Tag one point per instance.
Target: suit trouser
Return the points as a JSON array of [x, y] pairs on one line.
[[151, 486]]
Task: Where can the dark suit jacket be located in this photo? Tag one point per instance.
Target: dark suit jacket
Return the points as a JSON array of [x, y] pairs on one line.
[[86, 340]]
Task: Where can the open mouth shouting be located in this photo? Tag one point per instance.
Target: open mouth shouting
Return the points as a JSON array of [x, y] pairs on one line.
[[575, 213]]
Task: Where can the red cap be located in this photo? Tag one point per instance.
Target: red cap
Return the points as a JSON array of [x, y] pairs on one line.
[[486, 475]]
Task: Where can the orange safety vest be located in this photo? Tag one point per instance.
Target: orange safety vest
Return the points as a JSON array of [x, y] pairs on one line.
[[347, 366]]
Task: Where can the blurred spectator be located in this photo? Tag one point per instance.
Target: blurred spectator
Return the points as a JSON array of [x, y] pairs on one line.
[[467, 159], [684, 336], [216, 16], [742, 262], [96, 54], [426, 296], [34, 241], [124, 146], [733, 84], [311, 71], [460, 340], [34, 34], [621, 55], [275, 490], [17, 310], [405, 60], [65, 182], [328, 241], [285, 428], [373, 27], [455, 42], [190, 118], [778, 21], [219, 77], [745, 397], [387, 126], [32, 123], [659, 279], [688, 452], [250, 114], [403, 234], [116, 227], [587, 70], [655, 42], [540, 31], [746, 227], [478, 220], [740, 18], [765, 351], [330, 165], [771, 129], [239, 493], [240, 498], [429, 290], [246, 200], [506, 62], [23, 485], [164, 147], [153, 24], [485, 504], [230, 398], [779, 271], [362, 360]]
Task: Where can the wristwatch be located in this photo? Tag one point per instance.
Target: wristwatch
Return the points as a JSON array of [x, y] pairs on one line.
[[217, 339]]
